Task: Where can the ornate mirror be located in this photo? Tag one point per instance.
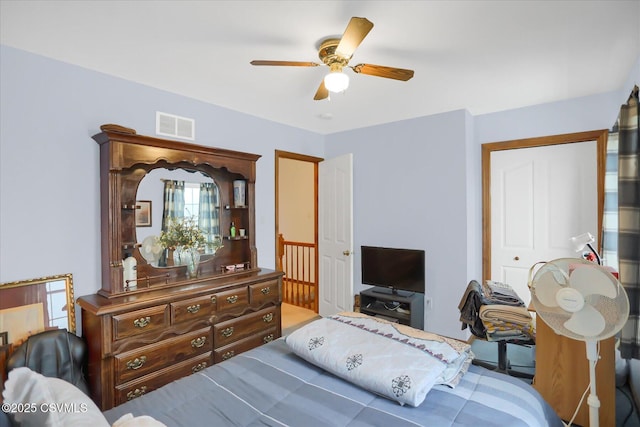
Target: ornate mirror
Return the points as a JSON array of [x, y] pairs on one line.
[[198, 198]]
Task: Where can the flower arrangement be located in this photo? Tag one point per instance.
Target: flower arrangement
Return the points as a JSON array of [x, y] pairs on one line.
[[182, 232], [186, 239], [185, 233]]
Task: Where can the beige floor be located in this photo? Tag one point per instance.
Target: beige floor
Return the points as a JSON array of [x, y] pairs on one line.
[[293, 316]]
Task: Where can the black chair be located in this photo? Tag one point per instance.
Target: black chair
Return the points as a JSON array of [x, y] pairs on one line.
[[470, 304], [504, 365], [55, 353]]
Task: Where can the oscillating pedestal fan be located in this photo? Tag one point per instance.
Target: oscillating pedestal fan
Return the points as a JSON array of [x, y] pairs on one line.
[[583, 301]]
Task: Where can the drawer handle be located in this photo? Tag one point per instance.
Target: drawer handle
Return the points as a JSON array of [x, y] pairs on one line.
[[193, 309], [199, 367], [267, 317], [265, 291], [268, 338], [137, 392], [136, 363], [142, 322], [198, 342], [227, 332], [228, 355], [232, 299], [214, 299]]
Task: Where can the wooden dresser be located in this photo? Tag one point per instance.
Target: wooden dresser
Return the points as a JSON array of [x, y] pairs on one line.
[[139, 343], [145, 332]]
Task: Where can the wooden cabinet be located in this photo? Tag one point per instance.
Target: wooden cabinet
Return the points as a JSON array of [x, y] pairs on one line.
[[126, 158], [139, 343], [562, 375], [169, 325]]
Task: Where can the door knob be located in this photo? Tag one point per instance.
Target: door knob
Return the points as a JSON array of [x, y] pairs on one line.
[[517, 258], [346, 253]]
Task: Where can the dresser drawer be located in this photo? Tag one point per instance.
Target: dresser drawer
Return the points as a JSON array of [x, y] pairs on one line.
[[194, 308], [233, 330], [264, 292], [227, 352], [140, 321], [233, 299], [148, 383], [153, 357]]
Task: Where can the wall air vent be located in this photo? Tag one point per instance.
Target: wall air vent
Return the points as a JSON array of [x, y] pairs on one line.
[[176, 126]]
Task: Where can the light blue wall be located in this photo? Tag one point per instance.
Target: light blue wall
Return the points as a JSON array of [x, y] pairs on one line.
[[410, 191], [49, 165], [417, 183]]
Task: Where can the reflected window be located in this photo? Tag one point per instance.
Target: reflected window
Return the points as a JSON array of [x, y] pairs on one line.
[[57, 303], [191, 200]]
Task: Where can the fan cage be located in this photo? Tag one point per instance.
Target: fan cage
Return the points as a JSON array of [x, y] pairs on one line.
[[614, 310]]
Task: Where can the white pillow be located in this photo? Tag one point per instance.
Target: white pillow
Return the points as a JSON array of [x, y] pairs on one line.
[[39, 401], [128, 420], [392, 360]]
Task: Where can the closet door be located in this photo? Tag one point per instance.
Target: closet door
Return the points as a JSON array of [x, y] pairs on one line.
[[540, 198]]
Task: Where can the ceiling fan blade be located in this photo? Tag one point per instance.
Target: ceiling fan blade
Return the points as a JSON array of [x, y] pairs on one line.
[[285, 63], [587, 322], [386, 72], [321, 93], [356, 31]]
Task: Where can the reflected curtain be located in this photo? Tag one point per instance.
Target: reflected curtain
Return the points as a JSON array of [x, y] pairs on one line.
[[173, 207], [629, 221], [173, 202], [209, 216]]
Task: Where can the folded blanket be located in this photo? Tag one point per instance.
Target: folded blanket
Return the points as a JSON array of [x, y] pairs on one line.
[[505, 313], [469, 307], [501, 293], [506, 330], [392, 360]]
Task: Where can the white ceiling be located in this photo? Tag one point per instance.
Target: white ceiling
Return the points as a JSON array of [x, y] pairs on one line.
[[483, 56]]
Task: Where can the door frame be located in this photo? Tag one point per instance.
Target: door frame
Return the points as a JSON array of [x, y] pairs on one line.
[[600, 136], [279, 154]]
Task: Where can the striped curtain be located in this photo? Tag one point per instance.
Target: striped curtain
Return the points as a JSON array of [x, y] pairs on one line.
[[209, 215], [610, 220], [173, 208], [173, 202], [629, 221]]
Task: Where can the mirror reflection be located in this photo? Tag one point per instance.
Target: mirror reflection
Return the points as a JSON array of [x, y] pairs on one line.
[[177, 195], [35, 305]]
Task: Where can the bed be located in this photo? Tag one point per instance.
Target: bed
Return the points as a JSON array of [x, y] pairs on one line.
[[275, 385]]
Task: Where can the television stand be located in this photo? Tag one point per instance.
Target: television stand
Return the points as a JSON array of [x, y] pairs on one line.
[[395, 292], [405, 308]]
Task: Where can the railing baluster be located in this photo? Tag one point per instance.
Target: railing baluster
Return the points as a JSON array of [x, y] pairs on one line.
[[300, 279]]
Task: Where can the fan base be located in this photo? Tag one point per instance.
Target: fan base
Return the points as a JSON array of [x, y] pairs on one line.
[[327, 52]]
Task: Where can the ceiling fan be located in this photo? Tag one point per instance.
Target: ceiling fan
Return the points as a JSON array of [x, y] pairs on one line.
[[336, 54]]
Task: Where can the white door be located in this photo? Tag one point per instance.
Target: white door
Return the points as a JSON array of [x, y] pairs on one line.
[[540, 198], [335, 235]]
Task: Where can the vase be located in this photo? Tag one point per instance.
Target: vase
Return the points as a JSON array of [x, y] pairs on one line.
[[239, 193], [191, 258], [178, 256]]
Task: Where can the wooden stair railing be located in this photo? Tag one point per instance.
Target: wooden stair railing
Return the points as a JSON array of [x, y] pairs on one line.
[[298, 262]]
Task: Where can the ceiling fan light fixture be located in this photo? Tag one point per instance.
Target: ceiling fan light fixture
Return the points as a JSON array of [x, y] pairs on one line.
[[336, 81]]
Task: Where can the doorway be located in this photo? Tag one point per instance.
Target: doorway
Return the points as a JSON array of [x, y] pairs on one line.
[[489, 222], [296, 229]]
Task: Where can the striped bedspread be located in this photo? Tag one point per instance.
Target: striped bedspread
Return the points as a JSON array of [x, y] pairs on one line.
[[270, 386]]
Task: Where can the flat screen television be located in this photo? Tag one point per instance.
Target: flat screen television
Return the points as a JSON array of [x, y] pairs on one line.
[[400, 271]]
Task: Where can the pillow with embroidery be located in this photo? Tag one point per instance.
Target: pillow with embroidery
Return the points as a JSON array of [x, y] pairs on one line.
[[391, 360]]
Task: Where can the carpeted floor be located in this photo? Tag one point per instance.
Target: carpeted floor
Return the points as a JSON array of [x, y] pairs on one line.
[[522, 358], [294, 317]]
